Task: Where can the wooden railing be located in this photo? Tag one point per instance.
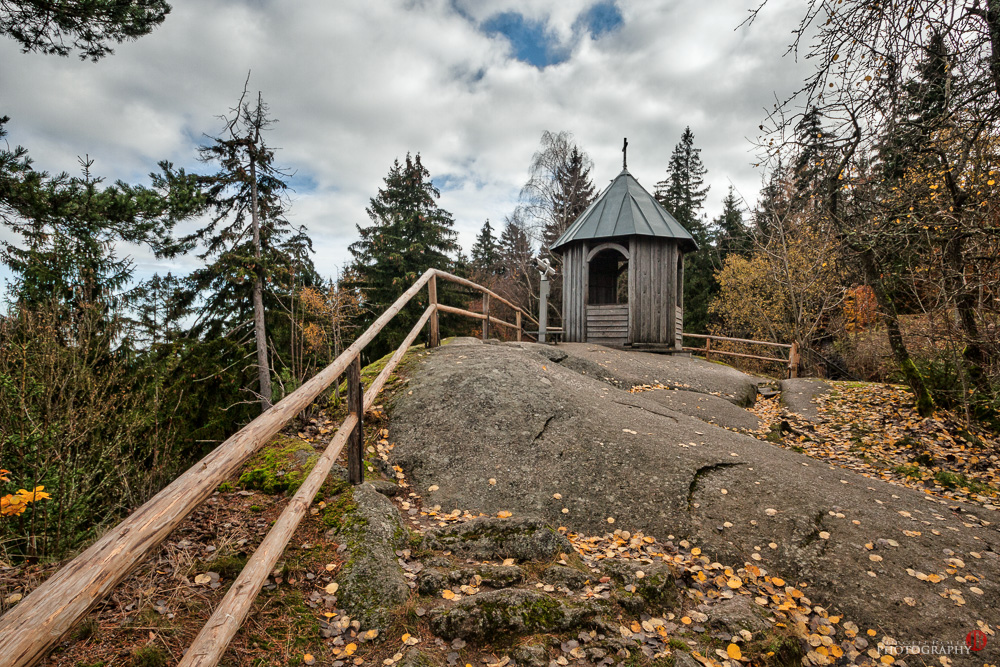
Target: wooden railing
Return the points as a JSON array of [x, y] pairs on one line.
[[38, 621], [791, 362]]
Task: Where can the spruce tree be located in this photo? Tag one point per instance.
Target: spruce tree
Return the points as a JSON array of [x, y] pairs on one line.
[[409, 234], [731, 234], [810, 164], [486, 252], [517, 258], [87, 26], [683, 193], [248, 243], [573, 193]]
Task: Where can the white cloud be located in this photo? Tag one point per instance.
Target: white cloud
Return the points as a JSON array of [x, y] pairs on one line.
[[355, 85]]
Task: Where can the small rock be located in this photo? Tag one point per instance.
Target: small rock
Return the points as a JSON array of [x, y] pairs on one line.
[[737, 614], [489, 538], [508, 612], [561, 575]]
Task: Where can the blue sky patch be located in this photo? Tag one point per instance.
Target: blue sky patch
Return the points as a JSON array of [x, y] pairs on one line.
[[532, 42], [535, 44], [602, 18]]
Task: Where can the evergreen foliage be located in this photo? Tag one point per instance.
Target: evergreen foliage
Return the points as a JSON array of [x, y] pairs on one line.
[[409, 234], [683, 194], [731, 233], [86, 26], [250, 248], [486, 252], [573, 194]]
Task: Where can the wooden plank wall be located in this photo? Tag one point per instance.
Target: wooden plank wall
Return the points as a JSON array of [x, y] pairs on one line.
[[653, 296], [574, 293], [655, 308], [607, 324]]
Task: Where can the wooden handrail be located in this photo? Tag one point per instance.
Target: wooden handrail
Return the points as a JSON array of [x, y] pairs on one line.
[[211, 643], [478, 316], [38, 621], [738, 340], [792, 360], [468, 283]]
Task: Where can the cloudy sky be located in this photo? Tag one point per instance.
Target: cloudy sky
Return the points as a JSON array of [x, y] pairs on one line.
[[469, 84]]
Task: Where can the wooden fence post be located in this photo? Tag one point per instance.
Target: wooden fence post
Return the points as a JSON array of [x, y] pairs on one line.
[[434, 339], [356, 406], [486, 312], [517, 321], [708, 348], [793, 360]]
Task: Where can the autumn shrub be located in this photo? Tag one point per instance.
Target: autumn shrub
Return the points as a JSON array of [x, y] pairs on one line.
[[66, 424], [95, 423]]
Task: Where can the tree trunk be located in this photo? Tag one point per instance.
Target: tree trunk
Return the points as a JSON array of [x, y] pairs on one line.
[[974, 356], [260, 334], [887, 306]]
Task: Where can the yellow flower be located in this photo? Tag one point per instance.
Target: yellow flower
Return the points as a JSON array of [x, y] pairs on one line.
[[12, 505]]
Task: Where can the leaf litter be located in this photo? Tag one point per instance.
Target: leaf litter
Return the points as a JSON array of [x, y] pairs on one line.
[[875, 430]]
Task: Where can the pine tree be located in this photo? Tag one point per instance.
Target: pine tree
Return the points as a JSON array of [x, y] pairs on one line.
[[409, 234], [573, 193], [731, 234], [67, 230], [810, 165], [683, 193], [248, 243], [88, 26], [157, 319], [517, 259], [486, 252]]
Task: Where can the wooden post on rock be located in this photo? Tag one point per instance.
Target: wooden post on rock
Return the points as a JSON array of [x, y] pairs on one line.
[[486, 320], [517, 321], [434, 337], [355, 406]]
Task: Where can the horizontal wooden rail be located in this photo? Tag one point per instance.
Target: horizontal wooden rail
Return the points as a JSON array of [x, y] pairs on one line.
[[37, 623], [478, 316], [739, 340], [713, 350], [791, 361], [468, 283]]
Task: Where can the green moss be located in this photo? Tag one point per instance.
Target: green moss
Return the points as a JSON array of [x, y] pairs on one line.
[[341, 513], [281, 467], [256, 508], [787, 651], [909, 471], [228, 567], [371, 371], [225, 487], [539, 615], [149, 656], [658, 590]]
